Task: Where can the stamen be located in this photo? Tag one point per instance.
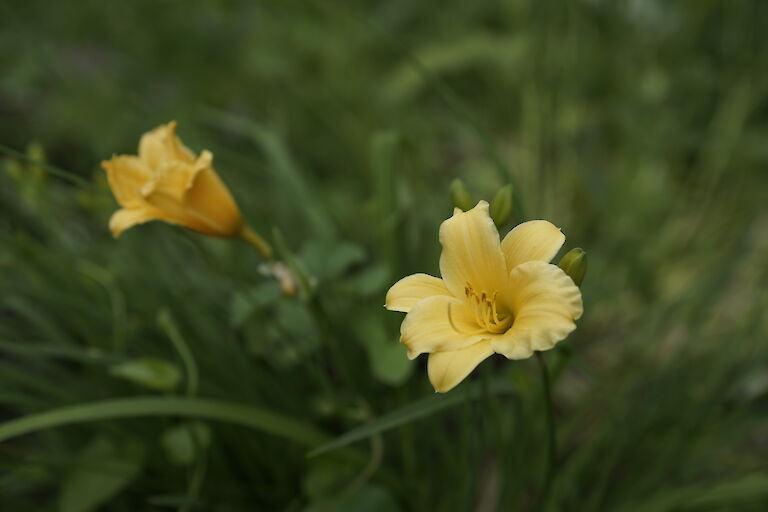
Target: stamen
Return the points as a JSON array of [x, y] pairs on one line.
[[484, 309]]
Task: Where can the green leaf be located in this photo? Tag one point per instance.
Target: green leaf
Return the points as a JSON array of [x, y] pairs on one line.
[[150, 373], [383, 160], [728, 494], [388, 358], [411, 412], [327, 476], [292, 335], [103, 470], [244, 304], [254, 417], [389, 362], [329, 260], [373, 280]]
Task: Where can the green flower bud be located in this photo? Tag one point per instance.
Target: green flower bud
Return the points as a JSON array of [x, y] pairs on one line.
[[574, 263], [461, 196], [501, 206]]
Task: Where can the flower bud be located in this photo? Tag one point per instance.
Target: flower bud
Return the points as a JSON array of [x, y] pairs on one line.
[[574, 263], [501, 206], [461, 196]]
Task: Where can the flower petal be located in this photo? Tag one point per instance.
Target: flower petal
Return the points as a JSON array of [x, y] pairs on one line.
[[439, 323], [472, 252], [535, 240], [173, 211], [209, 199], [126, 175], [161, 145], [447, 369], [176, 178], [172, 180], [125, 218], [405, 293], [545, 302]]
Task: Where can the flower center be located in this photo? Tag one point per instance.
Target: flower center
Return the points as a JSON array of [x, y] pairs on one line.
[[487, 314]]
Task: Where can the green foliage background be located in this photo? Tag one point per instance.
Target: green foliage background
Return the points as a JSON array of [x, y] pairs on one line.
[[639, 127]]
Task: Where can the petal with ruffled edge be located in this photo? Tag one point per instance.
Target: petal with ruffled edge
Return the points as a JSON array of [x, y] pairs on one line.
[[405, 293], [439, 323], [535, 240], [173, 211], [172, 180], [447, 369], [472, 252], [545, 303], [126, 176], [161, 146]]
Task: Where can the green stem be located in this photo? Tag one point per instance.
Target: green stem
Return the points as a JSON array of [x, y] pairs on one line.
[[256, 241], [168, 324], [549, 476], [197, 476]]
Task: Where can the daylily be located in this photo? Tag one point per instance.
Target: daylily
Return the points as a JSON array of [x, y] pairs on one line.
[[168, 182], [494, 297]]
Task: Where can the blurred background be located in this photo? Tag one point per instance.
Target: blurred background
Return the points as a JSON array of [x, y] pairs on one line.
[[640, 127]]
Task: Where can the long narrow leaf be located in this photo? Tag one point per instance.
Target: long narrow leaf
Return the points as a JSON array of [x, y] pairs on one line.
[[257, 418], [411, 412]]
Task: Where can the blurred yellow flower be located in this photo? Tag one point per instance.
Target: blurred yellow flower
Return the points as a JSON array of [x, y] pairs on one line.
[[168, 182], [494, 296]]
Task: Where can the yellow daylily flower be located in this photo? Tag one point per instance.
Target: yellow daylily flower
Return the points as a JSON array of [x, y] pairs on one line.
[[495, 296], [168, 182]]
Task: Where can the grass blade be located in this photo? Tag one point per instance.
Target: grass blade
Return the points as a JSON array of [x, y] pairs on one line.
[[257, 418], [411, 412]]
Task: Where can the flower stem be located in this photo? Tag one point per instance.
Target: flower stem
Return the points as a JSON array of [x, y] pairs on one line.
[[255, 240], [549, 476]]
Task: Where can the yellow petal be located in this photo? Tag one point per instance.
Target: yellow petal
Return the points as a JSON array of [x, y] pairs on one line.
[[472, 252], [439, 323], [545, 303], [195, 197], [447, 369], [405, 293], [535, 240], [210, 201], [172, 180], [161, 145], [173, 210], [126, 176], [125, 218]]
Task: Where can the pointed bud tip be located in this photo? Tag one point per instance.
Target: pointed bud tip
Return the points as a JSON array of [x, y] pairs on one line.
[[501, 206], [461, 197], [574, 263]]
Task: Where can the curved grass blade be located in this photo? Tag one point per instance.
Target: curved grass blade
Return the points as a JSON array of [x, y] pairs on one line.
[[411, 412], [257, 418]]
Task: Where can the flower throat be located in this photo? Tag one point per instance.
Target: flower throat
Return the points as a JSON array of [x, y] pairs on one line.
[[487, 315]]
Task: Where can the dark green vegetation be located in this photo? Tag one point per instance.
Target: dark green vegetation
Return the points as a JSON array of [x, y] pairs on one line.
[[639, 127]]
